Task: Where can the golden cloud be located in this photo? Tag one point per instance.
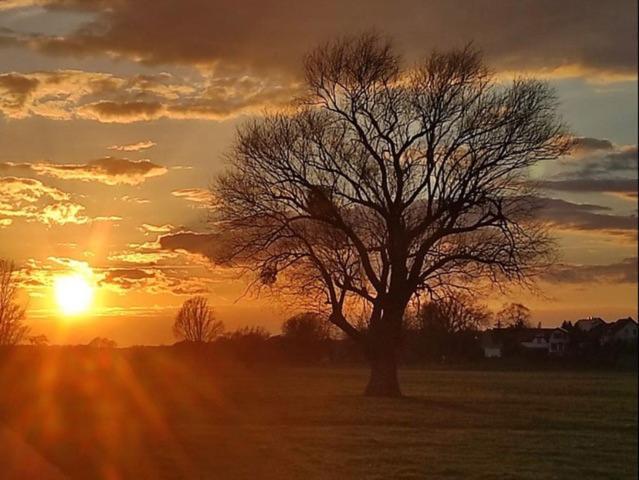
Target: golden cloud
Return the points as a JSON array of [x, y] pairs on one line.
[[197, 195], [68, 94], [133, 147], [31, 200], [107, 170]]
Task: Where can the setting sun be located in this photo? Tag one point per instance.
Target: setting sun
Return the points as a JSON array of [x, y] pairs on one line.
[[73, 294]]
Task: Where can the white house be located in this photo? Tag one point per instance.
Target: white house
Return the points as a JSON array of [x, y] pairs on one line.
[[552, 341]]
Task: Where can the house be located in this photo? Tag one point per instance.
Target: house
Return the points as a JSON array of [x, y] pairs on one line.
[[546, 341], [623, 330], [491, 344], [587, 324], [551, 341]]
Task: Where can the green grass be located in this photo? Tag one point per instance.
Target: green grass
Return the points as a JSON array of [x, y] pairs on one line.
[[111, 416]]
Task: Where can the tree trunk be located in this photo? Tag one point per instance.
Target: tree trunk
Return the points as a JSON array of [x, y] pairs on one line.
[[383, 380]]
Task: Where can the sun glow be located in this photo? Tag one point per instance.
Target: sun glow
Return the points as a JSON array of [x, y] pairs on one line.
[[73, 294]]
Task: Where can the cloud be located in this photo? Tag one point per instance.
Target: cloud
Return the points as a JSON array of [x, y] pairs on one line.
[[107, 170], [197, 195], [206, 244], [148, 228], [149, 257], [155, 281], [133, 147], [14, 189], [31, 200], [586, 217], [594, 158], [595, 165], [103, 97], [624, 271], [580, 36], [62, 213], [589, 144], [16, 90], [622, 186]]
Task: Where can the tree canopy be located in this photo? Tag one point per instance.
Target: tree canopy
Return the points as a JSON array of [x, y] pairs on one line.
[[386, 182]]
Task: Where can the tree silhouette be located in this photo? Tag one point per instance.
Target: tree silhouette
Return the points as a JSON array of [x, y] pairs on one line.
[[12, 314], [453, 314], [195, 321], [384, 183], [102, 342], [514, 315], [38, 340], [306, 327]]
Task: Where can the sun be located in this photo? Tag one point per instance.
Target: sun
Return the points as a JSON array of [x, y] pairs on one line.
[[73, 294]]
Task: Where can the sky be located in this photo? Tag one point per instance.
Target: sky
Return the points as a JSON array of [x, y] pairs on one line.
[[115, 116]]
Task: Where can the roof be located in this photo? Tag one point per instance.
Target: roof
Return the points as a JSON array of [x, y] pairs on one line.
[[496, 336], [613, 328], [589, 323]]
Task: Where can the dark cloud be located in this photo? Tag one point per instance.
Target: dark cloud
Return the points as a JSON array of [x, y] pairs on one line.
[[621, 272], [546, 34], [594, 158], [586, 217], [627, 187], [15, 89], [589, 144], [206, 244], [155, 281], [106, 111]]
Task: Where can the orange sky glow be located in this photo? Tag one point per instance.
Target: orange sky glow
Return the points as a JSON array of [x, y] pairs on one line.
[[112, 134]]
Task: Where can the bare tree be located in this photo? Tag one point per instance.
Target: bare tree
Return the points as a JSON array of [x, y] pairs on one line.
[[513, 315], [12, 315], [385, 183], [453, 314], [195, 321]]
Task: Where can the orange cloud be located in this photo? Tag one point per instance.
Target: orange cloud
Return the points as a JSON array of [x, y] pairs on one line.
[[197, 195], [133, 147], [108, 170], [68, 94], [148, 228], [31, 200]]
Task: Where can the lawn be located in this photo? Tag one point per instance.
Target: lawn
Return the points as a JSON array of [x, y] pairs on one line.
[[114, 416]]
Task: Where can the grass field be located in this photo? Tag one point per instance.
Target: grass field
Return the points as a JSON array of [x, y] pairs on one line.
[[102, 415]]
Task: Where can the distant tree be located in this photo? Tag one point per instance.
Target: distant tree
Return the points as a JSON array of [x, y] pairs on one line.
[[446, 328], [102, 342], [38, 340], [305, 337], [514, 315], [250, 333], [195, 322], [12, 315], [386, 182], [453, 314], [306, 327]]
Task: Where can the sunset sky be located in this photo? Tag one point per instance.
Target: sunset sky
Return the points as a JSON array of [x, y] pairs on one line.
[[115, 116]]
